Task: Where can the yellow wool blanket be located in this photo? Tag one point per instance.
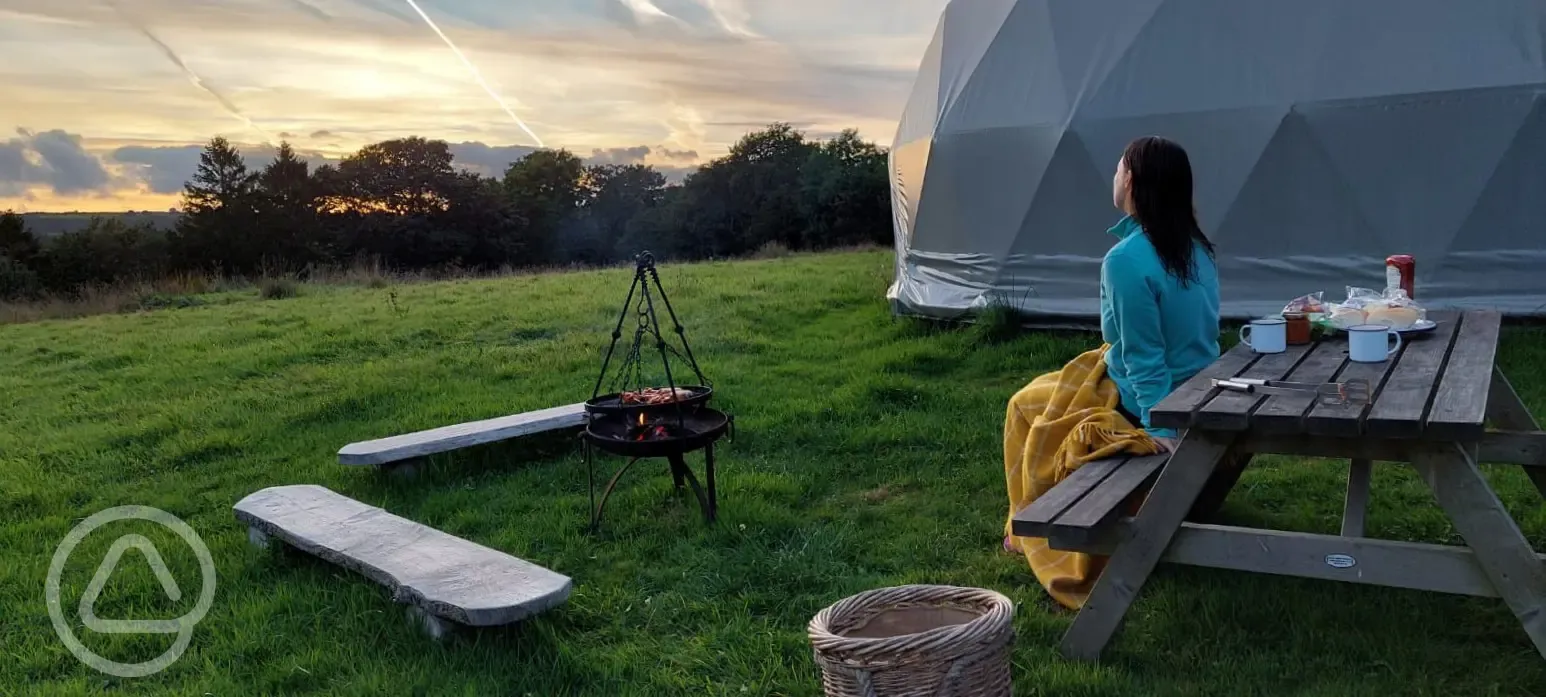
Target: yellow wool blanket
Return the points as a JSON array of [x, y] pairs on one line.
[[1059, 422]]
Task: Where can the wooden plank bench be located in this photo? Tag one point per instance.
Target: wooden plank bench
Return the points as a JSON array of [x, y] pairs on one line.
[[403, 449], [1083, 508], [446, 581]]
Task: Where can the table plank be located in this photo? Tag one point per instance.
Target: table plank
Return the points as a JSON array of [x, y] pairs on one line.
[[1178, 409], [1231, 411], [1283, 415], [1409, 391], [1460, 405], [1347, 420]]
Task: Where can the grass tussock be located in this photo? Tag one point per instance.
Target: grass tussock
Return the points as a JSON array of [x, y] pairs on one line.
[[278, 288]]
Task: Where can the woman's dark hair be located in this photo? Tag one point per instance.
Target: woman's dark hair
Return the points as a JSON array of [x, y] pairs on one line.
[[1162, 203]]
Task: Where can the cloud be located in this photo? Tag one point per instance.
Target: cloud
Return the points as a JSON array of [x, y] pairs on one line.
[[731, 15], [322, 134], [582, 80], [307, 8], [60, 163], [684, 155], [165, 168], [488, 160], [193, 77], [637, 14], [618, 156], [53, 159]]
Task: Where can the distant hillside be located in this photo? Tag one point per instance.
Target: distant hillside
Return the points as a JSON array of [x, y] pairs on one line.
[[46, 225]]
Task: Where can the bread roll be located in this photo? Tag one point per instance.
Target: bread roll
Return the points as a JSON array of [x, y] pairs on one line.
[[1344, 317], [1392, 316]]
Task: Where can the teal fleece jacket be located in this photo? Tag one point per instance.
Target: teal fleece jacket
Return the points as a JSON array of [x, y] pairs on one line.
[[1161, 333]]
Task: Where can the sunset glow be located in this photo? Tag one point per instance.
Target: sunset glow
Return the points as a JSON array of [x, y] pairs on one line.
[[105, 100]]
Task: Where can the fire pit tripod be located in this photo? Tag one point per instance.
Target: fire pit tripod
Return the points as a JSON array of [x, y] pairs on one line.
[[639, 420]]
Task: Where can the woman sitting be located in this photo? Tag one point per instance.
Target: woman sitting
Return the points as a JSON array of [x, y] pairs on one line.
[[1159, 302]]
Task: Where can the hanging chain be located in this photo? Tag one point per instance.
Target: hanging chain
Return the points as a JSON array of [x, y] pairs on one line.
[[630, 372]]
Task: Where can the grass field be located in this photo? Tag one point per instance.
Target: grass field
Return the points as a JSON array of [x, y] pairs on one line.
[[868, 453]]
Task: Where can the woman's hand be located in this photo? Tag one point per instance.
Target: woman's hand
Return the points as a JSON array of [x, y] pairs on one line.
[[1166, 445]]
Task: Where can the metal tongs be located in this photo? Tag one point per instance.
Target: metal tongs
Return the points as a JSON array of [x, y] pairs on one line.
[[1350, 391]]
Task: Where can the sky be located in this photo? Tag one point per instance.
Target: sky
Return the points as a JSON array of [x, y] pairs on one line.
[[104, 104]]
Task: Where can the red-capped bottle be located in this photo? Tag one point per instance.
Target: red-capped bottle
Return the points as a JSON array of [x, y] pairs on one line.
[[1401, 272]]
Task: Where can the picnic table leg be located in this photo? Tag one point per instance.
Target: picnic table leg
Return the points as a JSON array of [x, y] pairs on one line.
[[1355, 507], [1501, 549], [1506, 410], [1157, 521]]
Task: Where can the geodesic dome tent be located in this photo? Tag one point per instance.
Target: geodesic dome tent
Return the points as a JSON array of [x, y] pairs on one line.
[[1325, 135]]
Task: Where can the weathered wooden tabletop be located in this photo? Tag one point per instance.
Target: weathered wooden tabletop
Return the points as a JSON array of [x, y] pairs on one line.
[[1435, 388]]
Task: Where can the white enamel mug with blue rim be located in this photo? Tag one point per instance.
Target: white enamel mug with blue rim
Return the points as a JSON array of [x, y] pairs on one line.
[[1371, 343], [1266, 335]]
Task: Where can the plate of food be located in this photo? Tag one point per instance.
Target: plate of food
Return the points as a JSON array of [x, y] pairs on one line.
[[1390, 309]]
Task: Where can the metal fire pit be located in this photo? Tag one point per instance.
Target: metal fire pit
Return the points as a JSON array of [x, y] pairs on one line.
[[667, 429]]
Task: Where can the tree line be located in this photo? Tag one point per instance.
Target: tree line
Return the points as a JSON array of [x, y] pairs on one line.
[[404, 204]]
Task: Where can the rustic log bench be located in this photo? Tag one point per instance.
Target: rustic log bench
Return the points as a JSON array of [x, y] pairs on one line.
[[1086, 506], [446, 581], [400, 454]]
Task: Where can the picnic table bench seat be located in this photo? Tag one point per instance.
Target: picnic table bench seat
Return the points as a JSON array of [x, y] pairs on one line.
[[411, 446], [1085, 506], [446, 581]]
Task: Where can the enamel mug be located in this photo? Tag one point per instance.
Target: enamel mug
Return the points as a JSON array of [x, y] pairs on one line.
[[1371, 343], [1266, 335]]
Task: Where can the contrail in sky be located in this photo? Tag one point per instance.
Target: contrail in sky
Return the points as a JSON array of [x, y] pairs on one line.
[[476, 75], [193, 77], [731, 16], [647, 10]]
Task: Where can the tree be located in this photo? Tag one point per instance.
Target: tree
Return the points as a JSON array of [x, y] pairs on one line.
[[16, 241], [845, 196], [545, 188], [220, 213], [613, 196], [106, 251], [291, 229], [407, 176], [222, 179], [17, 280]]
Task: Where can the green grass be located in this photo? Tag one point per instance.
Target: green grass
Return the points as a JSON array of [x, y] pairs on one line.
[[868, 454]]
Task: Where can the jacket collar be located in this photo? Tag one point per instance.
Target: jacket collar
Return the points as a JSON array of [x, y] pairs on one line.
[[1124, 227]]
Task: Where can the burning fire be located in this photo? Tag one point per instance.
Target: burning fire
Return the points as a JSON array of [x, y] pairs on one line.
[[646, 432]]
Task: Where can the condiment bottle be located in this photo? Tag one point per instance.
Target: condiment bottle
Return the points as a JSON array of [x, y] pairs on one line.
[[1401, 272], [1297, 329]]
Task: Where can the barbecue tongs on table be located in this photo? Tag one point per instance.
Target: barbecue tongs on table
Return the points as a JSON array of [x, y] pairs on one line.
[[1351, 391]]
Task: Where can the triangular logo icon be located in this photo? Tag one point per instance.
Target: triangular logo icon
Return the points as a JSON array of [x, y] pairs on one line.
[[105, 571]]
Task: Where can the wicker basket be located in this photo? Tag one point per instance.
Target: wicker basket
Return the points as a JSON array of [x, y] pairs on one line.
[[915, 641]]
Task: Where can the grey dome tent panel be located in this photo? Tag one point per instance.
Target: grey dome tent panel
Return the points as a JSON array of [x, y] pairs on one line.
[[1325, 135]]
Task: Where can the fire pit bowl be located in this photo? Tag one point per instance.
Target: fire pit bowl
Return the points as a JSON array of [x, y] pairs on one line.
[[661, 433], [612, 404]]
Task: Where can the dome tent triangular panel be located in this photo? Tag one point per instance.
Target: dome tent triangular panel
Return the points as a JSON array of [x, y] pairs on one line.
[[1136, 67]]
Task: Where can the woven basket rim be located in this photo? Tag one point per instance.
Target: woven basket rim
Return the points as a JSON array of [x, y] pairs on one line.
[[992, 625]]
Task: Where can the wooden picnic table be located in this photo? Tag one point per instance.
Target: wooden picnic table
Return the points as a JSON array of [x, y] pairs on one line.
[[1431, 408]]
